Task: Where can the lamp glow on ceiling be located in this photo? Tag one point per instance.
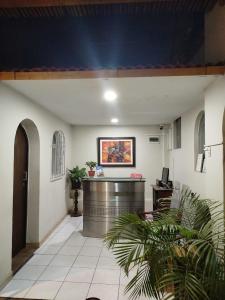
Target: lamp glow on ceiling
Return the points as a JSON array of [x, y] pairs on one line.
[[110, 95], [114, 120]]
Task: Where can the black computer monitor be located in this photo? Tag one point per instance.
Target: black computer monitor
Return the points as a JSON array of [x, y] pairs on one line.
[[165, 176]]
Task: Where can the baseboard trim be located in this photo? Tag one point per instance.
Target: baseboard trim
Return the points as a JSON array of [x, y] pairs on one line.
[[32, 245]]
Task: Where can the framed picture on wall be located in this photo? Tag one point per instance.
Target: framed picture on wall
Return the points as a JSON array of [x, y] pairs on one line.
[[116, 151]]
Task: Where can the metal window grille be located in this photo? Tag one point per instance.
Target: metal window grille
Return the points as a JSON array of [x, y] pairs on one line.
[[58, 155], [177, 133], [201, 134]]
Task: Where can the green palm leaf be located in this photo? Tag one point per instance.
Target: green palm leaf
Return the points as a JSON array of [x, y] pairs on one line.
[[173, 259]]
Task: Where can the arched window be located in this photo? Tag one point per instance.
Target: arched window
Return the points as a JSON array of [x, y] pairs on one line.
[[200, 142], [58, 155]]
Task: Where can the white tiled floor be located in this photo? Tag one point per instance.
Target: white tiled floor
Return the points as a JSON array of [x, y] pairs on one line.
[[69, 266]]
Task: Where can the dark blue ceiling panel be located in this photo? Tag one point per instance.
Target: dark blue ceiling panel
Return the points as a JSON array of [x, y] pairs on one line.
[[102, 42]]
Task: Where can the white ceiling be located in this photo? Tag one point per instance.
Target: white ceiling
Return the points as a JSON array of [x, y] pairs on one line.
[[141, 101]]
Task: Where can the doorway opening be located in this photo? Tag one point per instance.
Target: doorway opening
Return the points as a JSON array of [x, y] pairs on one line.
[[20, 183], [25, 233]]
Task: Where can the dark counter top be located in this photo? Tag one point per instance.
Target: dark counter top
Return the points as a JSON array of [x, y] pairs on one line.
[[114, 179]]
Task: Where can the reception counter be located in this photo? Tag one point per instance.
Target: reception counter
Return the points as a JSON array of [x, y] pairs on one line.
[[104, 199]]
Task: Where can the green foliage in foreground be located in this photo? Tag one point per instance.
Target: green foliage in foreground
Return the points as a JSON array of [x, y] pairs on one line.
[[173, 260]]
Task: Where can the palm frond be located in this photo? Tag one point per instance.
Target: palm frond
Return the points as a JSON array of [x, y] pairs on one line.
[[178, 256], [185, 285]]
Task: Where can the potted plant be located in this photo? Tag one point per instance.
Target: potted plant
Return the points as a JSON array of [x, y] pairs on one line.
[[76, 175], [172, 257], [91, 165]]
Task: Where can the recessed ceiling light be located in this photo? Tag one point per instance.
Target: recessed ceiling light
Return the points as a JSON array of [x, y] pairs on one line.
[[114, 120], [110, 95]]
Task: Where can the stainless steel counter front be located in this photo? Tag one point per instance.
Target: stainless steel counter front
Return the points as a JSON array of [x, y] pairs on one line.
[[106, 198]]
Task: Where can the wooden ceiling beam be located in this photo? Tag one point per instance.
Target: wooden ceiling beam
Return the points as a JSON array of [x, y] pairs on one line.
[[7, 75], [213, 70], [48, 3]]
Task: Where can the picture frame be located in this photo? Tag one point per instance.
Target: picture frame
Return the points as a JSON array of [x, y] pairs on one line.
[[116, 151]]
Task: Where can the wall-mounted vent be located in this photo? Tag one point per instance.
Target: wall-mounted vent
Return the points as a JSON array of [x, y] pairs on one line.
[[154, 139]]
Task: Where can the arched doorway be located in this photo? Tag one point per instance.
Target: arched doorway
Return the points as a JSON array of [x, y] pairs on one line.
[[28, 184], [199, 140], [20, 185]]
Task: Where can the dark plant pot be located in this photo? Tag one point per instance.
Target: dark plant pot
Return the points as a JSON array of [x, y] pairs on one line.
[[76, 185], [91, 173]]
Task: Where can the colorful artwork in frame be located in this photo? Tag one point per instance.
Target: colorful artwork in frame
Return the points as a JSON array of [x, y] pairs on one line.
[[116, 151]]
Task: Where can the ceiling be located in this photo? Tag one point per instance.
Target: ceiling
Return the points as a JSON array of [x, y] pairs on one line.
[[141, 101], [60, 8]]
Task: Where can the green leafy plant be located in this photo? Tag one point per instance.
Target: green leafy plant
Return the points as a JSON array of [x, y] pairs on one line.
[[77, 174], [91, 164], [174, 257]]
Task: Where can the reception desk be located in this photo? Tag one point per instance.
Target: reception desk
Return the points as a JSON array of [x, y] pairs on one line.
[[104, 199]]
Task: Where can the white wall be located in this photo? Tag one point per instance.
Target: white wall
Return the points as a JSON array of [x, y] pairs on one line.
[[214, 113], [182, 161], [14, 108], [149, 157]]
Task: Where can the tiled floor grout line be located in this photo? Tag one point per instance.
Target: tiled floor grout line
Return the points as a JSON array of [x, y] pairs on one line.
[[35, 281], [94, 272], [96, 267], [76, 229], [58, 289], [62, 283], [69, 267], [29, 289]]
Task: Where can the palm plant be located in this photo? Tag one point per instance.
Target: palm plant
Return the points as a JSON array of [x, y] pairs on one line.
[[173, 258], [76, 175]]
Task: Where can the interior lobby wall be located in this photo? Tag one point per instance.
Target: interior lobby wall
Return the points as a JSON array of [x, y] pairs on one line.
[[14, 108], [214, 112], [182, 160], [149, 157]]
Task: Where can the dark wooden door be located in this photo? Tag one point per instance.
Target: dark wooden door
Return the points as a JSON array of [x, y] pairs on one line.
[[20, 191]]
